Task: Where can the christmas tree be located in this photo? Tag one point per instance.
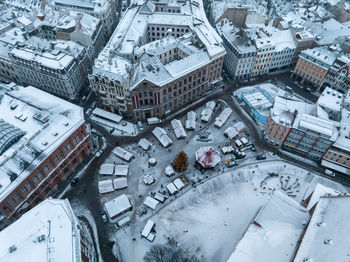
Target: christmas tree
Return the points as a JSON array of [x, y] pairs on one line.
[[181, 162]]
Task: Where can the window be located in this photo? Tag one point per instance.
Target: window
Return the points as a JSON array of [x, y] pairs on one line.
[[37, 177], [67, 148]]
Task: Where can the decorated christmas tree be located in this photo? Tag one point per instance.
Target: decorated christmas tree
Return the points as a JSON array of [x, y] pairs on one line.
[[181, 162]]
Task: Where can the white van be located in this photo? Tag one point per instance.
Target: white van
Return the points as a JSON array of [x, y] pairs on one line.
[[329, 172]]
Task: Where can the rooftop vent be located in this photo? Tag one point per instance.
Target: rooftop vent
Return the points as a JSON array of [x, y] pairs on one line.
[[41, 238], [12, 249], [329, 242], [41, 117]]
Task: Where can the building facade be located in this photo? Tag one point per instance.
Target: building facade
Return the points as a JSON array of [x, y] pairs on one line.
[[241, 52], [168, 63], [51, 141], [265, 51], [54, 71], [312, 66], [53, 231], [338, 76]]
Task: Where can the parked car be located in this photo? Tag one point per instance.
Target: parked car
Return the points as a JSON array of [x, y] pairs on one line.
[[88, 112], [75, 181], [104, 217], [261, 157], [329, 172], [239, 154], [93, 105], [139, 124]]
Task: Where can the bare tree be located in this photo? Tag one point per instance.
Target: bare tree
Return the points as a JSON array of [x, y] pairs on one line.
[[170, 252]]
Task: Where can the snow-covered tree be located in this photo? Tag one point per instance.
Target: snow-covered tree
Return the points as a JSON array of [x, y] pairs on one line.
[[170, 252]]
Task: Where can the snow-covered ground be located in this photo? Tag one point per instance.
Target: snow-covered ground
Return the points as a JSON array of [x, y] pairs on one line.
[[213, 216]]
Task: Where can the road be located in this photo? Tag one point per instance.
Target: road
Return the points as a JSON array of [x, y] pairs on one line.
[[86, 191]]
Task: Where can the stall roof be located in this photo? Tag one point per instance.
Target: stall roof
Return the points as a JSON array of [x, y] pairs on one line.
[[178, 183], [107, 169], [117, 205], [119, 183], [151, 202], [172, 188], [147, 229], [121, 170]]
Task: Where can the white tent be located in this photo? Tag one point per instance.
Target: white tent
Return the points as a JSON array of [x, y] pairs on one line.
[[190, 124], [160, 197], [121, 170], [106, 169], [169, 171], [206, 114], [162, 136], [151, 202], [147, 229], [120, 183], [172, 188], [117, 206], [122, 153], [178, 183], [144, 144], [191, 121], [239, 127], [225, 114], [191, 115], [178, 128], [105, 186], [231, 132]]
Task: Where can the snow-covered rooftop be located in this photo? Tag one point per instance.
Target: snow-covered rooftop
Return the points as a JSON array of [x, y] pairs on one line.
[[283, 111], [129, 39], [320, 55], [326, 128], [46, 120], [326, 237], [48, 232], [274, 233], [331, 99]]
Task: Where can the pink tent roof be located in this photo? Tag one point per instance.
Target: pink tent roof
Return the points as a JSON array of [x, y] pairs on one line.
[[207, 157]]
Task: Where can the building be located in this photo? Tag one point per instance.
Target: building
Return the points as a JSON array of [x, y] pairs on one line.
[[57, 66], [258, 102], [303, 40], [104, 10], [265, 51], [48, 232], [241, 52], [272, 235], [281, 119], [311, 136], [313, 66], [78, 27], [43, 140], [325, 238], [338, 76], [284, 51], [337, 158], [161, 56]]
